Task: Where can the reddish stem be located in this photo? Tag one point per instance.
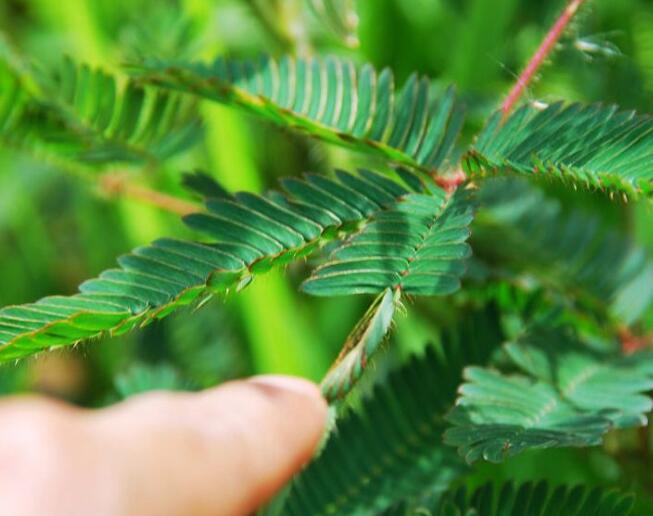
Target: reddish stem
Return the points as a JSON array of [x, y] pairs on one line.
[[118, 184], [450, 182], [630, 343], [538, 58]]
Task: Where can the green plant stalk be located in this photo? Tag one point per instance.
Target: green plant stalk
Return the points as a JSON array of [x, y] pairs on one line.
[[280, 341]]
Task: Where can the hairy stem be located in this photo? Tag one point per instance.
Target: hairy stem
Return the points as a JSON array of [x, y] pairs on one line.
[[116, 184], [548, 44]]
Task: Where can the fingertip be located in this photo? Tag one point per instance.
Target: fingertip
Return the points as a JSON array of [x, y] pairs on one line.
[[300, 400], [294, 386], [226, 450]]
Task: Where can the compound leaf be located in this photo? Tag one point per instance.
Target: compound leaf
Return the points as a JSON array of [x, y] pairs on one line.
[[592, 146], [331, 99]]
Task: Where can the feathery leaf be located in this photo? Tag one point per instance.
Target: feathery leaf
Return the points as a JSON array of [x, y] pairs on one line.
[[82, 114], [248, 234], [331, 99], [418, 247], [592, 146], [569, 395]]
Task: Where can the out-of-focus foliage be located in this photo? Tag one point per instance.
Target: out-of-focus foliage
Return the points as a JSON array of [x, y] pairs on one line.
[[58, 229]]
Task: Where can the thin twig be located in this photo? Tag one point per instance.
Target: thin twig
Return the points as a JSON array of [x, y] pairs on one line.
[[117, 184], [548, 44]]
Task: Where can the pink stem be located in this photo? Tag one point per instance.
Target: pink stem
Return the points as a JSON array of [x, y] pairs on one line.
[[538, 58]]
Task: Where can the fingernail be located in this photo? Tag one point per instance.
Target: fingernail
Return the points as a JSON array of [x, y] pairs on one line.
[[288, 383]]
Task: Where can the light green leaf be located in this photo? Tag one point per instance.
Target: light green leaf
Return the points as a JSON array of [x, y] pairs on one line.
[[571, 397], [331, 99], [593, 381], [501, 416], [419, 247], [85, 116], [591, 146], [360, 345], [245, 235]]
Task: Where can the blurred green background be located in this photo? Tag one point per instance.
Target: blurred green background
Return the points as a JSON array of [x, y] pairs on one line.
[[57, 230]]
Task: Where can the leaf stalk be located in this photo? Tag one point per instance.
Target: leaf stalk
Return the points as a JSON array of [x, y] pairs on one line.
[[545, 48]]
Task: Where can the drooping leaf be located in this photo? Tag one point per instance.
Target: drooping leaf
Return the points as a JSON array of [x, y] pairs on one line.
[[419, 247], [245, 234], [331, 99], [538, 498], [359, 347], [391, 448], [591, 146], [569, 251], [569, 395]]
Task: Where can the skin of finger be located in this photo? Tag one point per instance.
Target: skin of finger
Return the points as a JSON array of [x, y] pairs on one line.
[[220, 452], [49, 462]]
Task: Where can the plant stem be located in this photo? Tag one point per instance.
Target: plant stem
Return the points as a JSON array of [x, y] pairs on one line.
[[548, 44], [630, 342], [116, 184]]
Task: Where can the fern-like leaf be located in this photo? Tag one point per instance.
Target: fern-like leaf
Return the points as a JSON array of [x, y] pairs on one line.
[[419, 248], [331, 99], [531, 498], [247, 234], [568, 395], [80, 114], [591, 146], [391, 448]]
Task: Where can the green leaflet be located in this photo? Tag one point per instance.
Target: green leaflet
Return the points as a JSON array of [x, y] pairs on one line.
[[360, 345], [246, 234], [593, 381], [591, 146], [391, 447], [418, 247], [568, 395], [83, 114], [331, 99], [568, 251], [538, 498], [500, 416]]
